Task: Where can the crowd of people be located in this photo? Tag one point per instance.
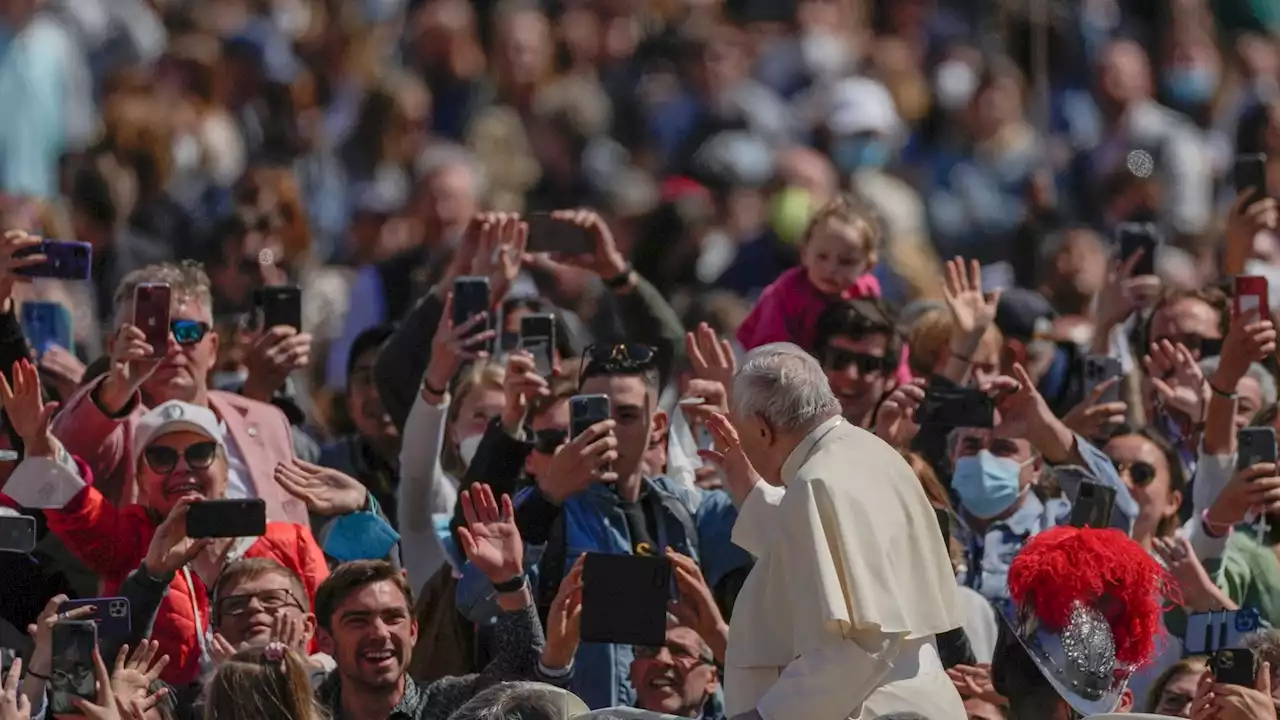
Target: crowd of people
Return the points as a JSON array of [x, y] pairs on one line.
[[844, 272]]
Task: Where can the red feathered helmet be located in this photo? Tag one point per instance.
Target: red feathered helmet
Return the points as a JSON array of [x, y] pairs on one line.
[[1086, 607]]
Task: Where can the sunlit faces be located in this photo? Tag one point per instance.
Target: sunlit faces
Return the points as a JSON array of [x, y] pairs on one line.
[[371, 636], [836, 255], [247, 612], [855, 371], [181, 464], [677, 678], [1144, 469], [186, 368]]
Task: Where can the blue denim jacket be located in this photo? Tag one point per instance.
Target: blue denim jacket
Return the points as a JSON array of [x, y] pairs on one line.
[[593, 522]]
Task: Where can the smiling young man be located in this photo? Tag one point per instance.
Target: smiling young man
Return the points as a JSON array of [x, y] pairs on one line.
[[679, 678], [859, 349]]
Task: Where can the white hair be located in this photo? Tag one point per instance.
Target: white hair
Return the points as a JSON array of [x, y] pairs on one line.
[[785, 386], [1257, 371]]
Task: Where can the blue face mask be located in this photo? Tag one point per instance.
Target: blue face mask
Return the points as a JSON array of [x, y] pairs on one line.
[[859, 152], [987, 485], [1190, 86]]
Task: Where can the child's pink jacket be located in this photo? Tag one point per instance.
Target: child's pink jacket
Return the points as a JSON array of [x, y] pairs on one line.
[[788, 311]]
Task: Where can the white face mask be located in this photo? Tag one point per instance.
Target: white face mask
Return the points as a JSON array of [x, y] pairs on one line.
[[954, 83], [825, 54], [468, 446]]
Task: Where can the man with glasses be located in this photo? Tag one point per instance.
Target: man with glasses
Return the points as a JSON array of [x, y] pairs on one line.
[[181, 459], [97, 424], [594, 497], [859, 349], [679, 678]]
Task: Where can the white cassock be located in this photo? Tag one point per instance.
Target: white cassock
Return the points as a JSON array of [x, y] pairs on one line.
[[852, 582]]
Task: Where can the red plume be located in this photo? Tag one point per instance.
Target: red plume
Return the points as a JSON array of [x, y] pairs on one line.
[[1102, 569]]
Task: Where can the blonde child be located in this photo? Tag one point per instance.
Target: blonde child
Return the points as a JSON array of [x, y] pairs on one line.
[[837, 254]]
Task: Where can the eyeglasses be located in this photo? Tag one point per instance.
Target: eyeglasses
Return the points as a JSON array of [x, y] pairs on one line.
[[163, 459], [548, 441], [617, 359], [188, 332], [270, 600], [678, 654], [1141, 473], [839, 360]]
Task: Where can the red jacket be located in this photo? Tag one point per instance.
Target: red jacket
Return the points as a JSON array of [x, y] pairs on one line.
[[113, 542]]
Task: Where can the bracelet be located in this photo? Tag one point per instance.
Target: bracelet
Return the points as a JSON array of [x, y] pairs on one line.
[[1221, 394], [38, 676], [512, 585], [620, 280], [434, 391]]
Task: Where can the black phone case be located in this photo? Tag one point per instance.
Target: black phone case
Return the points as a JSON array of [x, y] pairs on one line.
[[282, 306], [227, 518], [471, 298], [72, 672], [958, 407], [546, 234], [1256, 445], [1135, 236], [624, 599], [1093, 506], [539, 339], [585, 411], [1250, 173], [1236, 666], [17, 533], [112, 615]]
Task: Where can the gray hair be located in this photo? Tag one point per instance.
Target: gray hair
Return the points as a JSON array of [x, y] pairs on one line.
[[440, 156], [187, 280], [784, 385], [528, 700], [1257, 371]]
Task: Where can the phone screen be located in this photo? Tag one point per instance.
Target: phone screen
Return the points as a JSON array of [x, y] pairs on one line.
[[538, 337], [1093, 505], [17, 533], [954, 408], [1139, 236], [624, 599], [1255, 446], [1235, 666], [72, 676], [549, 235], [1099, 369], [281, 306], [1250, 174], [227, 518]]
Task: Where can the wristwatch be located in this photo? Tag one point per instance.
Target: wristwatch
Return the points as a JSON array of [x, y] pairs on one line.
[[620, 280]]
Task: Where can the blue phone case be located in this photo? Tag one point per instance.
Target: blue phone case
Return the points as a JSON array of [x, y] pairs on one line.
[[47, 324], [64, 260], [111, 616]]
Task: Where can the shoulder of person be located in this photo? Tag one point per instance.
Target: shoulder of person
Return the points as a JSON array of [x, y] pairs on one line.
[[248, 408], [284, 541]]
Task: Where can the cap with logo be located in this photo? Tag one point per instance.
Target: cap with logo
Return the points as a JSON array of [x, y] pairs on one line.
[[176, 416]]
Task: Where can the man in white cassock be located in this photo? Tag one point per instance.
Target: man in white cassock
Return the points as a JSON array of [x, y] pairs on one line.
[[852, 580]]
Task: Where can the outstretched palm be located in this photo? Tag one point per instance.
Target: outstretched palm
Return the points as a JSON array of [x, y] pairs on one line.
[[490, 538], [27, 410], [1177, 378], [325, 491], [972, 310]]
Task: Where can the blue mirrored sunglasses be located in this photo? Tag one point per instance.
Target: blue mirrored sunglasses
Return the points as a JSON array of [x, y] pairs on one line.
[[188, 332]]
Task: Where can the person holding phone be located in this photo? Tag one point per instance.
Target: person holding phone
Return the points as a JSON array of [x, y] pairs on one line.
[[181, 457], [594, 496]]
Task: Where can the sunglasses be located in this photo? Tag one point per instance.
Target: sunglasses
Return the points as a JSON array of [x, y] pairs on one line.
[[188, 332], [840, 360], [163, 459], [548, 441], [617, 359], [1141, 473], [1201, 346]]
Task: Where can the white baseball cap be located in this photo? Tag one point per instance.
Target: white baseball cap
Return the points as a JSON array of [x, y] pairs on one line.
[[175, 416], [861, 105]]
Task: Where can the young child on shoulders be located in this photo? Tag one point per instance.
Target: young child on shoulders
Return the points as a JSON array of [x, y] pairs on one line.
[[837, 254]]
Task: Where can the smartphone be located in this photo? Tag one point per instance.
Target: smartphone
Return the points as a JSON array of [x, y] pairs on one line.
[[956, 407], [281, 305], [7, 656], [1099, 369], [151, 302], [1250, 174], [1093, 505], [1214, 630], [470, 298], [538, 337], [227, 518], [112, 614], [46, 325], [1252, 295], [17, 533], [624, 599], [1139, 236], [1255, 445], [72, 675], [1234, 666], [547, 234], [64, 260], [587, 410]]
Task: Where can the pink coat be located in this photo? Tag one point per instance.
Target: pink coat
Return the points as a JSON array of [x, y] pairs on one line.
[[260, 432], [788, 311]]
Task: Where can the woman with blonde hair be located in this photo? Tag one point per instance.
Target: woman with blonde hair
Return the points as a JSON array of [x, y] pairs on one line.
[[262, 683]]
